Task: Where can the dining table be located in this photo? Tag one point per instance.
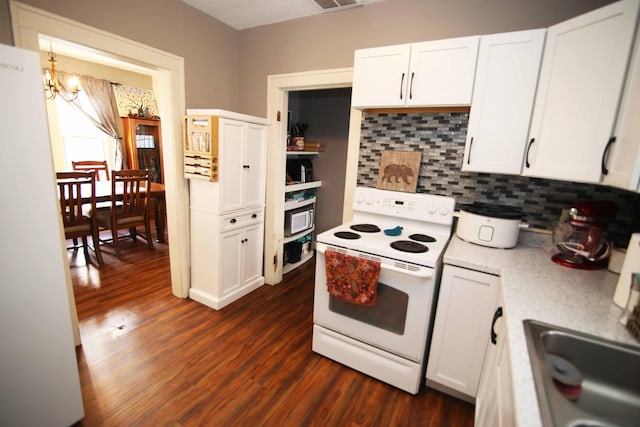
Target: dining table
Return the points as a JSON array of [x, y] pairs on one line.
[[104, 194]]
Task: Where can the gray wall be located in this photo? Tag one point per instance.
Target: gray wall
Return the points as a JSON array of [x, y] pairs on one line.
[[209, 47], [328, 40], [228, 69]]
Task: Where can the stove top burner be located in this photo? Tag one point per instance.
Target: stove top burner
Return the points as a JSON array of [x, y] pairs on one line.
[[365, 228], [422, 238], [346, 235], [409, 246]]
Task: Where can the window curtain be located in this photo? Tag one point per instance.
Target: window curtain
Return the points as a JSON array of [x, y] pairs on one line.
[[104, 111]]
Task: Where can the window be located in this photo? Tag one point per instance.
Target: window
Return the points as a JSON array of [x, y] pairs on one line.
[[81, 140]]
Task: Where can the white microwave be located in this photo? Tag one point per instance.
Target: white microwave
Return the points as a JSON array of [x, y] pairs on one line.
[[298, 220]]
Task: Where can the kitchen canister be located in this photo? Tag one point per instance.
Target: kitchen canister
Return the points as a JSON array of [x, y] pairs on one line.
[[631, 265]]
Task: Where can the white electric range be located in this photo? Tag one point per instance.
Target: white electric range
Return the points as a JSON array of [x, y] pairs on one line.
[[407, 234]]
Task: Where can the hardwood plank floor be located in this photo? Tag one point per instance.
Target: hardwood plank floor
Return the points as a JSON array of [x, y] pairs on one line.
[[151, 359]]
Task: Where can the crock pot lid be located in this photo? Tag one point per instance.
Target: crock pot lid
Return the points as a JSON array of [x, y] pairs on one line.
[[492, 210]]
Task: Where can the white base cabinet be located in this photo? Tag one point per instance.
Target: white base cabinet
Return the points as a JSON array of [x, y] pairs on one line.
[[581, 80], [466, 304], [494, 402], [226, 256], [503, 94]]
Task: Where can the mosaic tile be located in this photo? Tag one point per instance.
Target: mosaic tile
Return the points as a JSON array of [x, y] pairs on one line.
[[441, 137]]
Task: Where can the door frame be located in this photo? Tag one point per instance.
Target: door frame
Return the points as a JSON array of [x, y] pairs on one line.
[[167, 73], [278, 88]]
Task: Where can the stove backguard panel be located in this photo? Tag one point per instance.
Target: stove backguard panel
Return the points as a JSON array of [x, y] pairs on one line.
[[441, 137]]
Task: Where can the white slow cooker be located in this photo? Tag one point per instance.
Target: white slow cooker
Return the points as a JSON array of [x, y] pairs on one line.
[[489, 225]]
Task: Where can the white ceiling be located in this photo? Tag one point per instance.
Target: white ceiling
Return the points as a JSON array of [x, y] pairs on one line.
[[242, 14]]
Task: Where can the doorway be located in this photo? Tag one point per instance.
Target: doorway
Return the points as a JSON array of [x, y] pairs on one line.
[[169, 85], [278, 90]]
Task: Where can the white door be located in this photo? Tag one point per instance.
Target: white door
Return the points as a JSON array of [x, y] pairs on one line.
[[581, 78], [441, 72], [503, 95], [254, 157], [466, 303], [232, 136], [380, 76]]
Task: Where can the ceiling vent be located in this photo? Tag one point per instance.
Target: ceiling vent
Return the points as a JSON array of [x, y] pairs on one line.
[[332, 4]]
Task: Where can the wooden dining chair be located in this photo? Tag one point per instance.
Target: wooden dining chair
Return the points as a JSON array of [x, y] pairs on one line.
[[100, 167], [76, 193], [129, 206]]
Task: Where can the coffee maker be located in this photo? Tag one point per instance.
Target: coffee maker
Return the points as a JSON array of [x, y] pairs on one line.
[[580, 238]]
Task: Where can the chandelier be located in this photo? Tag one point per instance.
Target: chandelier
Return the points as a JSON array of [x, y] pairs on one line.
[[51, 84]]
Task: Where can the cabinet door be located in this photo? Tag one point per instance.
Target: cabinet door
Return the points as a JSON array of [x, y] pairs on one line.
[[622, 164], [232, 136], [581, 79], [254, 157], [494, 403], [252, 254], [466, 303], [503, 94], [380, 76], [441, 72], [231, 246]]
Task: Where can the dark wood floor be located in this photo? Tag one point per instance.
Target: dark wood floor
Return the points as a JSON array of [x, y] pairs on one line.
[[151, 359]]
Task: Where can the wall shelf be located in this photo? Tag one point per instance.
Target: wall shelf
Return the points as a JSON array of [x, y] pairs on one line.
[[293, 204], [302, 186], [289, 267], [299, 235]]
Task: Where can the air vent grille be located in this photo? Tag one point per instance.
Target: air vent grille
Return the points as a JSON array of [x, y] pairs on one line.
[[330, 4]]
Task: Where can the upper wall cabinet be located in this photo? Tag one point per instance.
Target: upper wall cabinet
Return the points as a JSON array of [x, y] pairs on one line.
[[581, 79], [434, 73], [503, 95], [621, 166]]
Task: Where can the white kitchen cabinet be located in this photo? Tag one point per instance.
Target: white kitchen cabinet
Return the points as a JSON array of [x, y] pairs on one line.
[[581, 79], [227, 164], [229, 150], [226, 255], [622, 163], [242, 164], [433, 73], [494, 402], [241, 257], [503, 95], [465, 306]]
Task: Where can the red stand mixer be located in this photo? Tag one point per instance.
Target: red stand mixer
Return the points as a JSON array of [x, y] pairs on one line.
[[581, 238]]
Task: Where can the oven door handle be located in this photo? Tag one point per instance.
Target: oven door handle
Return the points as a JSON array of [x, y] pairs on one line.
[[423, 274]]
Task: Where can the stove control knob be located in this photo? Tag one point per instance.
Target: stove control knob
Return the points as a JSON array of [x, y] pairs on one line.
[[444, 210], [370, 201], [433, 209]]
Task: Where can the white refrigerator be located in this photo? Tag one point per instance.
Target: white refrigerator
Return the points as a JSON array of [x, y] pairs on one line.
[[39, 380]]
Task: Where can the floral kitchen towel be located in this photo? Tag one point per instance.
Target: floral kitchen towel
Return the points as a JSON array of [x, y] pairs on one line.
[[352, 279]]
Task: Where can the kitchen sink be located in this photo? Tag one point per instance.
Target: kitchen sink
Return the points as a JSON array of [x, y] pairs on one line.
[[583, 380]]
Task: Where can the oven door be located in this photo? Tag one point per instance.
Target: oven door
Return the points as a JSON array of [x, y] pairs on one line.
[[399, 321]]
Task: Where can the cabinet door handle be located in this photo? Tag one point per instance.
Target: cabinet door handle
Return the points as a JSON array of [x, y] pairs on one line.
[[232, 221], [605, 155], [526, 163], [254, 216], [470, 145], [411, 86], [244, 240], [246, 166], [401, 83], [496, 316]]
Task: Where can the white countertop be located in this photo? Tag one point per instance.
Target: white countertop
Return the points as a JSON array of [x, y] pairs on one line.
[[536, 288]]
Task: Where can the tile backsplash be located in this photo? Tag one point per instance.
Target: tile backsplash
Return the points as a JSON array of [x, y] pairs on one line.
[[441, 138]]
